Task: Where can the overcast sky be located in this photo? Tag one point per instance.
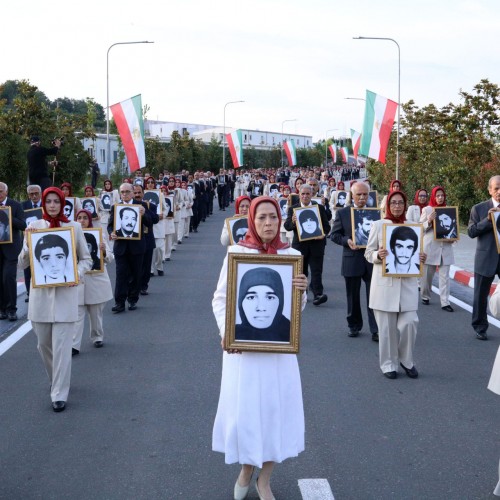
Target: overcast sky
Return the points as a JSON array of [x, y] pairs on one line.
[[285, 59]]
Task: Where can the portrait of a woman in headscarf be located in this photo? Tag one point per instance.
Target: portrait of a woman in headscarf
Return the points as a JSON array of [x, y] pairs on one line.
[[260, 305]]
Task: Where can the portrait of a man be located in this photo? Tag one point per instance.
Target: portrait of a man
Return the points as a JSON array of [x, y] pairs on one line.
[[106, 201], [127, 221], [363, 220], [5, 230], [446, 225], [239, 228], [308, 223], [341, 199], [89, 205], [404, 250]]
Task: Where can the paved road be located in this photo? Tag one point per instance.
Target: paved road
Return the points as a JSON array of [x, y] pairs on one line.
[[140, 413]]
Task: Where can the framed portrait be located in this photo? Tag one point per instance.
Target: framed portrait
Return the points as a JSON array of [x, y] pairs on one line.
[[90, 203], [293, 199], [340, 199], [495, 219], [53, 257], [169, 201], [446, 224], [69, 207], [5, 225], [274, 189], [93, 237], [404, 242], [362, 221], [317, 200], [153, 196], [308, 224], [106, 200], [237, 228], [127, 221], [263, 309], [33, 214], [283, 203], [372, 201]]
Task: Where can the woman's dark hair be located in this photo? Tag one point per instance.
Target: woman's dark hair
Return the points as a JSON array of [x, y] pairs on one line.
[[50, 241], [403, 233], [93, 242], [304, 215], [240, 224]]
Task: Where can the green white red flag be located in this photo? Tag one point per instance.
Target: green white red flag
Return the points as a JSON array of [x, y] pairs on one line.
[[344, 153], [356, 141], [128, 118], [377, 126], [333, 152], [291, 152], [235, 147]]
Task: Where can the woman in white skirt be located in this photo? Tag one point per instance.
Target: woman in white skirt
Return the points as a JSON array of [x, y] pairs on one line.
[[168, 221], [242, 206], [189, 207], [260, 416]]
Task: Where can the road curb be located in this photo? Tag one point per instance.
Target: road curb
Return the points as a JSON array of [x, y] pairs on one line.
[[465, 277]]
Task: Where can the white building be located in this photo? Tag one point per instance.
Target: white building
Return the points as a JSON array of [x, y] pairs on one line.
[[97, 148]]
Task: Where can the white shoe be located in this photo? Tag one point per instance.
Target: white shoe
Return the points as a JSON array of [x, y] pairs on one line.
[[241, 492], [258, 492]]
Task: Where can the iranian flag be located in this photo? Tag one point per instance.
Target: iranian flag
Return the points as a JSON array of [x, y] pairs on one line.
[[377, 126], [291, 152], [344, 153], [333, 152], [235, 147], [128, 119], [356, 141]]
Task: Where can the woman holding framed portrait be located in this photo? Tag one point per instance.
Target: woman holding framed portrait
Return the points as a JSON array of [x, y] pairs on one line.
[[260, 416], [53, 311], [394, 300], [241, 207]]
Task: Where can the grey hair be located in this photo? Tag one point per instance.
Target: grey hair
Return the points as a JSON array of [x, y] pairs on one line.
[[33, 186], [4, 186]]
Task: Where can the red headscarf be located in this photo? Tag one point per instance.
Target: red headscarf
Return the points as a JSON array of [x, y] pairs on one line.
[[416, 200], [171, 190], [252, 239], [295, 184], [60, 217], [388, 213], [184, 185], [432, 201], [340, 186], [392, 185], [238, 201], [69, 186], [147, 179], [91, 188], [87, 213], [111, 185]]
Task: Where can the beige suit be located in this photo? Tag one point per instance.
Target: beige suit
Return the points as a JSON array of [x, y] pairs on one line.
[[439, 253], [159, 233], [394, 302], [53, 313]]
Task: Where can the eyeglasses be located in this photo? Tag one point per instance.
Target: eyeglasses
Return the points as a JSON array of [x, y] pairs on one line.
[[422, 196], [123, 192], [397, 203]]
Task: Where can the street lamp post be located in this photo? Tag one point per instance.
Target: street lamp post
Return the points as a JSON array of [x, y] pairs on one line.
[[282, 123], [326, 144], [399, 89], [224, 135], [108, 148]]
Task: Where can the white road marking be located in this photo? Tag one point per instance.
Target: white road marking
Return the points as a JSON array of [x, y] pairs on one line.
[[315, 489], [14, 337]]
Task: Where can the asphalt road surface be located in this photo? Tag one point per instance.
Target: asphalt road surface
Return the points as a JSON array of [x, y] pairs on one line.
[[140, 412]]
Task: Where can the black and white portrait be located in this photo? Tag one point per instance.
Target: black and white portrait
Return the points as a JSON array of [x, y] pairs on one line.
[[446, 223], [33, 214], [283, 203], [5, 225], [237, 228], [69, 207], [153, 196], [93, 237], [169, 201], [308, 223], [362, 221], [106, 200], [127, 221], [341, 199], [404, 243], [53, 257], [90, 204], [496, 228], [274, 189], [372, 201]]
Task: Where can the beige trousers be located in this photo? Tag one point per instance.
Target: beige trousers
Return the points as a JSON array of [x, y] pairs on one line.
[[158, 255], [169, 243], [444, 283], [95, 312]]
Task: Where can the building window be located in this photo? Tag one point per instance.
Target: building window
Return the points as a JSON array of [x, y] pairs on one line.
[[184, 130], [245, 139], [91, 153], [298, 142], [103, 155], [307, 142], [250, 137]]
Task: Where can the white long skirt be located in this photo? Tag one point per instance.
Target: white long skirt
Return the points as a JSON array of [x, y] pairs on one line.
[[260, 416]]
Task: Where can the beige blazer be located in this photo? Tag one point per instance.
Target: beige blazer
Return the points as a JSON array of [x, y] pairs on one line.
[[387, 293], [97, 287], [159, 228], [435, 250], [413, 214], [57, 304], [494, 384]]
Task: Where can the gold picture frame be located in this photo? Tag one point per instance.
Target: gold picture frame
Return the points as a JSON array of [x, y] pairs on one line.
[[123, 209], [359, 226], [446, 224], [5, 225], [237, 228], [106, 200], [53, 258], [249, 276], [155, 197], [32, 214], [393, 266], [92, 200], [93, 237], [495, 219], [306, 218]]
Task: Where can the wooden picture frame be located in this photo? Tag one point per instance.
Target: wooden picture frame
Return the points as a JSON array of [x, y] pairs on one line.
[[237, 228], [92, 203], [309, 226], [283, 203], [93, 237], [275, 327], [154, 196], [53, 258], [124, 210], [106, 200], [343, 196], [70, 207], [495, 219], [33, 214], [362, 221], [405, 254], [372, 201], [446, 224], [170, 203], [5, 225]]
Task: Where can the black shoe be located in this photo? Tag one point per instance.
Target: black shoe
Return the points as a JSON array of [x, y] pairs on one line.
[[179, 242], [426, 302], [320, 299], [118, 308], [27, 299], [391, 375], [132, 306], [448, 308], [481, 336], [3, 315], [144, 292], [74, 352], [58, 406], [12, 316], [411, 372], [151, 275], [195, 230], [167, 259], [375, 337], [98, 343], [161, 273], [353, 332]]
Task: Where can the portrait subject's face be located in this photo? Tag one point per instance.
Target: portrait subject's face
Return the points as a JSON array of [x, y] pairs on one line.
[[366, 226], [310, 225], [68, 210], [445, 221], [341, 199], [53, 262], [260, 306], [129, 220], [403, 251], [88, 205], [106, 201]]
